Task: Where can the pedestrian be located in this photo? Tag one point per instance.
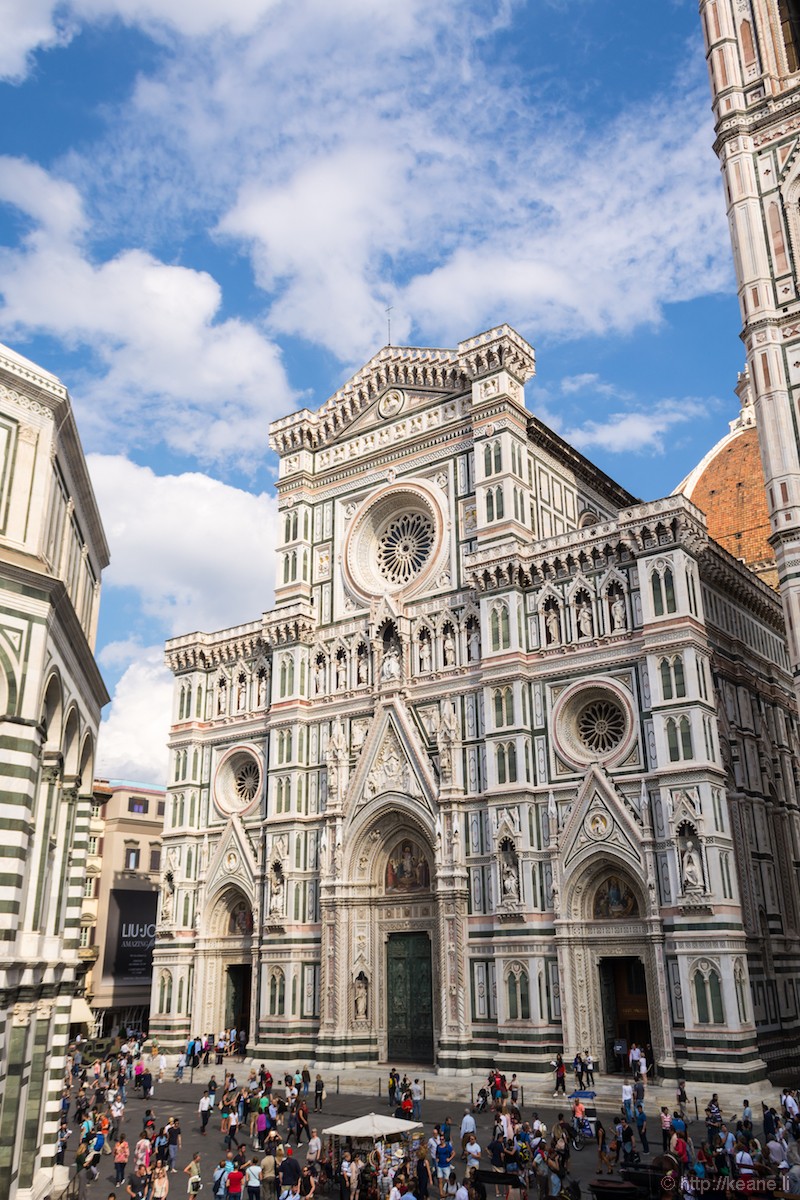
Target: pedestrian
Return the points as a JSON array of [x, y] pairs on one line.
[[234, 1183], [560, 1075], [627, 1100], [204, 1109], [602, 1148], [319, 1093], [122, 1153], [252, 1176], [444, 1159], [641, 1125], [173, 1132], [423, 1174], [468, 1127], [588, 1063], [159, 1185], [666, 1129], [416, 1097]]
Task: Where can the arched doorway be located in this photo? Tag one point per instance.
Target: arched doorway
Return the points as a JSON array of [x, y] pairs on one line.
[[612, 968], [227, 961], [409, 964], [382, 957]]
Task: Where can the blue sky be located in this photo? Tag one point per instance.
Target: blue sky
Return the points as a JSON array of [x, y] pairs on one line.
[[206, 207]]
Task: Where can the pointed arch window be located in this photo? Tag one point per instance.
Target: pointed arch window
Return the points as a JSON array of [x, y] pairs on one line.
[[277, 993], [708, 997], [519, 1002]]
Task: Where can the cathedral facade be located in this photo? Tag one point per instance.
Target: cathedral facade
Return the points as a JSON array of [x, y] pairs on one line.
[[509, 770]]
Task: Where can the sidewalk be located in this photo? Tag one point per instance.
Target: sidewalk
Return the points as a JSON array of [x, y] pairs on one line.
[[535, 1090]]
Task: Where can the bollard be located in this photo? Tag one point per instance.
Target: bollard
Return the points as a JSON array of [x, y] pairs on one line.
[[424, 1093], [337, 1085], [521, 1096], [696, 1110], [379, 1085], [472, 1094]]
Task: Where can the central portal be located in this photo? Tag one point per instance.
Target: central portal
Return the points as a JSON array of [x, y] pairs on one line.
[[237, 998], [409, 1016], [626, 1017]]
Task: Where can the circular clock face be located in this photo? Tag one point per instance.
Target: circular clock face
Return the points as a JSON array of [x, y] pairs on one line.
[[237, 784]]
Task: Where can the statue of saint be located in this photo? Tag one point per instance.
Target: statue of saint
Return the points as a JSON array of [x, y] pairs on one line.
[[341, 673], [618, 619], [360, 997], [319, 678], [361, 669], [449, 648], [585, 627], [425, 656], [276, 899], [390, 667], [167, 896], [474, 645], [510, 883], [552, 626], [692, 868], [222, 698]]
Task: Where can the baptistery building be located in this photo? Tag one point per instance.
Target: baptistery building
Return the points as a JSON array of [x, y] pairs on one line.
[[510, 769]]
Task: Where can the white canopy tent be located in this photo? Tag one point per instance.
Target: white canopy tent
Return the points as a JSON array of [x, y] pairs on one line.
[[373, 1127]]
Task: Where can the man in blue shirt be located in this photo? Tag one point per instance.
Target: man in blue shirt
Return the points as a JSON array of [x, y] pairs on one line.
[[444, 1158]]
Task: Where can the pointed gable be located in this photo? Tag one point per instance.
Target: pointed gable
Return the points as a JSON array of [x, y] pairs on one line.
[[600, 818], [392, 760]]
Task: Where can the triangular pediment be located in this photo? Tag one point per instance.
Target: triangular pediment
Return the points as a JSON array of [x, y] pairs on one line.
[[393, 760], [599, 819], [233, 861]]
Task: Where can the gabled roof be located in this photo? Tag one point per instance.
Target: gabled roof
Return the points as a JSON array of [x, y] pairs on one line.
[[405, 366]]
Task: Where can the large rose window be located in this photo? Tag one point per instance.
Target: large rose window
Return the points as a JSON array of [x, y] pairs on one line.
[[601, 725], [594, 721], [405, 546], [396, 542], [237, 783]]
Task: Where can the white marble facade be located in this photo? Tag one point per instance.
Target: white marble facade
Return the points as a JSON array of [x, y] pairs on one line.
[[504, 729]]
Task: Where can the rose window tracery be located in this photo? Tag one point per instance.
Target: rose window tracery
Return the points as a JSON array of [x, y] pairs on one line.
[[237, 781], [405, 546], [601, 725], [247, 778]]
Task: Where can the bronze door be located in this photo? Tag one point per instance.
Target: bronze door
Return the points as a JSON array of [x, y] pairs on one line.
[[410, 998]]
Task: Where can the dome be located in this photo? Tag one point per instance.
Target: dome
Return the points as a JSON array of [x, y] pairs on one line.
[[728, 486]]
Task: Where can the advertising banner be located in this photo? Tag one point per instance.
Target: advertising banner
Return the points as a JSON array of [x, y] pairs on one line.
[[131, 935]]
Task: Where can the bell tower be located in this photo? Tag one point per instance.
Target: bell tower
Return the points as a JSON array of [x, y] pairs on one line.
[[753, 55]]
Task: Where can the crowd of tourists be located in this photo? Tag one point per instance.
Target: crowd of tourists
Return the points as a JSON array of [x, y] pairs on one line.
[[271, 1149]]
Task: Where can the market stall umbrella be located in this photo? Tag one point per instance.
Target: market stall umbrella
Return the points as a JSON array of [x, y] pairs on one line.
[[374, 1126]]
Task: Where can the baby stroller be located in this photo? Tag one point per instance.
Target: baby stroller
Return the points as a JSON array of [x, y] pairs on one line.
[[482, 1103]]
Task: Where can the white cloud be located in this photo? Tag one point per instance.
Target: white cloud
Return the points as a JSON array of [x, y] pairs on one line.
[[28, 25], [33, 25], [169, 367], [636, 432], [132, 743], [199, 553]]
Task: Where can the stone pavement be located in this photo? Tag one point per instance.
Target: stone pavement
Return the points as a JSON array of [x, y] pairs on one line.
[[446, 1096]]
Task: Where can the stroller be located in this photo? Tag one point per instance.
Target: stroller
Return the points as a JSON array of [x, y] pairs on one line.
[[482, 1103]]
